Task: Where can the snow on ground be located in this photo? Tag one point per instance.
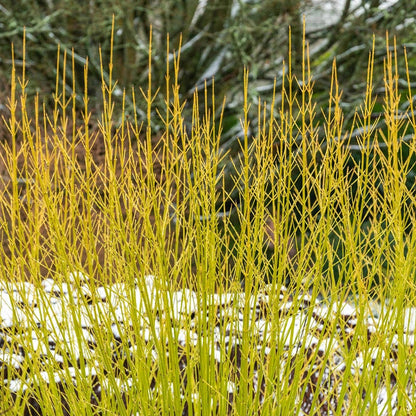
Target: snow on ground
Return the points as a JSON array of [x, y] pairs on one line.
[[65, 327]]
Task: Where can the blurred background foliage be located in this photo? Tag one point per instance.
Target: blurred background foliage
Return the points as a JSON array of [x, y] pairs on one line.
[[219, 38]]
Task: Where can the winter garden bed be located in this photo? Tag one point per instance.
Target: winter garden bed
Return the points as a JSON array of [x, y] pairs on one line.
[[214, 331], [57, 334]]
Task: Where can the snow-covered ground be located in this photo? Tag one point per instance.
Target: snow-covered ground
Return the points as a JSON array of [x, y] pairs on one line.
[[60, 325]]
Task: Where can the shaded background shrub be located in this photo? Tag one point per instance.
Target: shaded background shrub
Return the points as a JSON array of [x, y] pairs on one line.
[[218, 38]]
